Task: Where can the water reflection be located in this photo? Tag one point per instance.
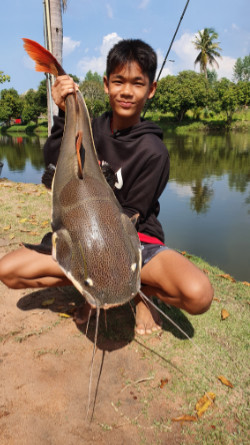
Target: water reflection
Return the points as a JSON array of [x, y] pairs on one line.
[[197, 158], [22, 157]]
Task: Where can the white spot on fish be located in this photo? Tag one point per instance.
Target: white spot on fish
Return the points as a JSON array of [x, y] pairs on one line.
[[133, 267], [88, 282]]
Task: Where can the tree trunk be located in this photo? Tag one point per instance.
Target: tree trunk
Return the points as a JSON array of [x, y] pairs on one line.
[[54, 33]]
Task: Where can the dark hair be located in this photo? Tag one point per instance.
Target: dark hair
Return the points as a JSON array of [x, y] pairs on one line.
[[132, 50]]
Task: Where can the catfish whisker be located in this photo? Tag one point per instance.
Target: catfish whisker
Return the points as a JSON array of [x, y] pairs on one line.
[[144, 297], [93, 356]]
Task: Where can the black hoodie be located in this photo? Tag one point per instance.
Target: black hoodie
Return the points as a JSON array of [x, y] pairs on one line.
[[140, 160]]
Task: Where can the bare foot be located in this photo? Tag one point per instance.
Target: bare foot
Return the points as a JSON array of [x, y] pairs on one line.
[[82, 313], [147, 318]]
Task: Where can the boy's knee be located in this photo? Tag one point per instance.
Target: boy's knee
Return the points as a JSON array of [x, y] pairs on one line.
[[200, 296], [7, 275]]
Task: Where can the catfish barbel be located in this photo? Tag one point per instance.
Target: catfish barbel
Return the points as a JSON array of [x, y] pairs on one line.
[[94, 242]]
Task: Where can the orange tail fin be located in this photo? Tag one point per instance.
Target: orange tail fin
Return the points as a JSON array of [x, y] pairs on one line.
[[45, 61]]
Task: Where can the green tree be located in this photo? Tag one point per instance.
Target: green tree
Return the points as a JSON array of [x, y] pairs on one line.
[[10, 105], [243, 90], [94, 77], [4, 77], [181, 93], [208, 49], [75, 78], [94, 96], [32, 108], [225, 98], [242, 69], [212, 76], [42, 96]]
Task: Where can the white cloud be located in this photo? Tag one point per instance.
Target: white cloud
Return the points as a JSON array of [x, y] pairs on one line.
[[186, 52], [183, 191], [226, 65], [109, 11], [143, 4], [69, 45], [98, 64]]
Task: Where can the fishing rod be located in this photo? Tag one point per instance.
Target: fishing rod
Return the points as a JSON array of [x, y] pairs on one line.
[[168, 51]]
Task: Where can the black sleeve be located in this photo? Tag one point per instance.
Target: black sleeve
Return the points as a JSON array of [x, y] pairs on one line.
[[52, 145]]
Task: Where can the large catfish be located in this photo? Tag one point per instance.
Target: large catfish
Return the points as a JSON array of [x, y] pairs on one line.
[[94, 242]]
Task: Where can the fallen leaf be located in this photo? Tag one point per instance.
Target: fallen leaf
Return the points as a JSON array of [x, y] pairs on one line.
[[33, 233], [11, 236], [185, 418], [23, 220], [203, 404], [224, 314], [7, 227], [48, 302], [206, 271], [63, 315], [163, 383], [216, 299], [186, 254], [227, 277], [225, 381], [246, 283]]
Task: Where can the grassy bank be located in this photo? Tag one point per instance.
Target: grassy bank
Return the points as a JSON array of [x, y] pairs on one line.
[[217, 123], [181, 370], [40, 129]]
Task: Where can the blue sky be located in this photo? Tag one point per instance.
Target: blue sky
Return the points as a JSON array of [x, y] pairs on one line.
[[91, 27]]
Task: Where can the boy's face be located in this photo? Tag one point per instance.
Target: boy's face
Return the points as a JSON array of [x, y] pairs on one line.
[[128, 89]]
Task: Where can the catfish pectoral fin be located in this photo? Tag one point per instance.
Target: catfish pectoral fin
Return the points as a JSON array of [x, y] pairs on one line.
[[62, 249], [44, 247]]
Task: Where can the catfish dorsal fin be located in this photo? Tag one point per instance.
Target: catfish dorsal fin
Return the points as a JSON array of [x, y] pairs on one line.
[[45, 61]]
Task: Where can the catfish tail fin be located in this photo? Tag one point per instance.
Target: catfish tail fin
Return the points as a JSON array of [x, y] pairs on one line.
[[45, 61]]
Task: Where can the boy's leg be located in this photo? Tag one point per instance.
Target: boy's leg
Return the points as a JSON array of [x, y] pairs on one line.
[[25, 268], [176, 281]]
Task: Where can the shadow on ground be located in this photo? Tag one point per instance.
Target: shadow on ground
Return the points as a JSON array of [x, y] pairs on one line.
[[116, 325]]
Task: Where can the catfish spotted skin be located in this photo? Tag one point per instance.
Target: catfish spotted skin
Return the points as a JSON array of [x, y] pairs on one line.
[[94, 242]]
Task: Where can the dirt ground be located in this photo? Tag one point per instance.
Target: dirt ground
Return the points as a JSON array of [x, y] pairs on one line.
[[45, 362]]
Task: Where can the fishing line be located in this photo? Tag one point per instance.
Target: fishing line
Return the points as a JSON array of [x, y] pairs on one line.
[[168, 51]]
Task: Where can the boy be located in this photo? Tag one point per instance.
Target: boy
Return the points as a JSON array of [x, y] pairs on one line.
[[135, 151]]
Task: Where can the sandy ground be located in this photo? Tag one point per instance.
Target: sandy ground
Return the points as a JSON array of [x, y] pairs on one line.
[[45, 362]]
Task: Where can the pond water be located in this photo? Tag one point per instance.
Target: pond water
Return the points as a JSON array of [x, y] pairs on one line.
[[205, 209]]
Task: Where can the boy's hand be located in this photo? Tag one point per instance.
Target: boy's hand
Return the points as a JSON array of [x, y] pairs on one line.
[[63, 86]]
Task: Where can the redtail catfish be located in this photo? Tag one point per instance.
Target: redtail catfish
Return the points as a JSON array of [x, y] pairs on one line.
[[93, 241]]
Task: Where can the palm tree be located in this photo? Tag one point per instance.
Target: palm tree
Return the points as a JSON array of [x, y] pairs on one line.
[[209, 49], [53, 36]]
